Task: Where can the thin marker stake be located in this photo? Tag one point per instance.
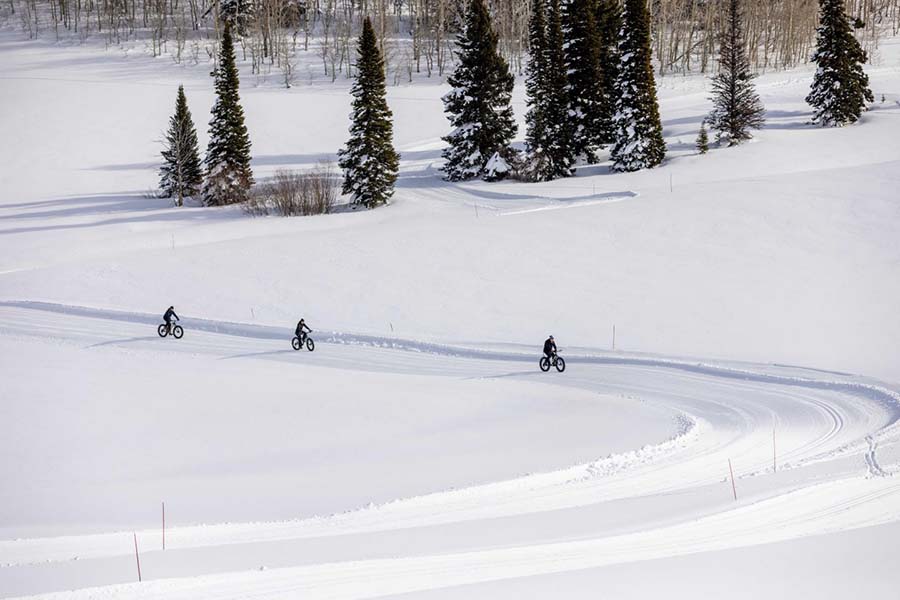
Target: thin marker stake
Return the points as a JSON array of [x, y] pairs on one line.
[[774, 454], [733, 489], [137, 557], [164, 524]]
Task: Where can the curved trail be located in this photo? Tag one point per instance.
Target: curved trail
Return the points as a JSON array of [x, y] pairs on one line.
[[829, 478]]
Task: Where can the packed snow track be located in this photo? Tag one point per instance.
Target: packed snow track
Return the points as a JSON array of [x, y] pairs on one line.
[[812, 452]]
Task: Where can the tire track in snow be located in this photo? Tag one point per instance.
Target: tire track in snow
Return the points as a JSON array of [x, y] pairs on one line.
[[846, 503], [684, 461]]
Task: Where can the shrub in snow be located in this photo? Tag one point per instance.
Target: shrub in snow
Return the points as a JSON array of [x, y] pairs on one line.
[[639, 142], [840, 87], [228, 174], [549, 134], [478, 106], [296, 193], [369, 160], [500, 166], [736, 106], [181, 173]]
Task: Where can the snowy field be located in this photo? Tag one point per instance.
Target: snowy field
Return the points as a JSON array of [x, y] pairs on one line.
[[419, 452]]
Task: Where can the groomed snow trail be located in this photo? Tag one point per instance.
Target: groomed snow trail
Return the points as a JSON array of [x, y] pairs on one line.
[[828, 474]]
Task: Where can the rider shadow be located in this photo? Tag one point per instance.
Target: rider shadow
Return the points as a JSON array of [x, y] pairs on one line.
[[143, 338], [256, 354], [505, 375]]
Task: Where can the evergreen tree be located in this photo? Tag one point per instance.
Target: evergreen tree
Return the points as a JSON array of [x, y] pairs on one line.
[[736, 106], [639, 142], [703, 139], [550, 151], [609, 25], [535, 76], [181, 173], [369, 161], [478, 106], [228, 174], [840, 87], [589, 110]]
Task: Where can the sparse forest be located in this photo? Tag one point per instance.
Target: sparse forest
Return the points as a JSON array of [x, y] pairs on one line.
[[417, 36]]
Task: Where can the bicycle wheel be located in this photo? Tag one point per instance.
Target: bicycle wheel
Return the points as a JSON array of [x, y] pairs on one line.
[[560, 364], [310, 344], [162, 331], [177, 331], [545, 364], [295, 343]]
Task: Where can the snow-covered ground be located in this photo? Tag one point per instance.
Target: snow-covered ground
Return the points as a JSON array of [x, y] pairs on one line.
[[419, 450]]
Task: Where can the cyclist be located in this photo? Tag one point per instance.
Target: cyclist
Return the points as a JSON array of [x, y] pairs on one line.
[[550, 348], [170, 313], [299, 332]]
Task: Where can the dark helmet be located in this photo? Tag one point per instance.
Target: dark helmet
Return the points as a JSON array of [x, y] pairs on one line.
[[551, 337], [171, 307]]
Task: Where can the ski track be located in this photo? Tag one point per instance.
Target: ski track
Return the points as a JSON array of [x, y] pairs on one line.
[[728, 412]]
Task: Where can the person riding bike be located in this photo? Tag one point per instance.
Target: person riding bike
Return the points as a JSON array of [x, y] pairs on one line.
[[170, 313], [550, 348], [301, 335]]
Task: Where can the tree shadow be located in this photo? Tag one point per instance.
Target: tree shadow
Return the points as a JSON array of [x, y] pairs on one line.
[[789, 119], [112, 210], [86, 206], [695, 120], [274, 160]]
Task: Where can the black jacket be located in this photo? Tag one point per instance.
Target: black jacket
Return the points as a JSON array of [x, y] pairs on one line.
[[300, 326], [549, 347], [169, 314]]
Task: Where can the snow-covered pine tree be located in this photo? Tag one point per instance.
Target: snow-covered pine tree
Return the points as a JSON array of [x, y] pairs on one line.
[[609, 24], [736, 106], [369, 160], [228, 173], [181, 174], [840, 87], [479, 105], [535, 74], [639, 142], [589, 112], [551, 154], [702, 139]]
